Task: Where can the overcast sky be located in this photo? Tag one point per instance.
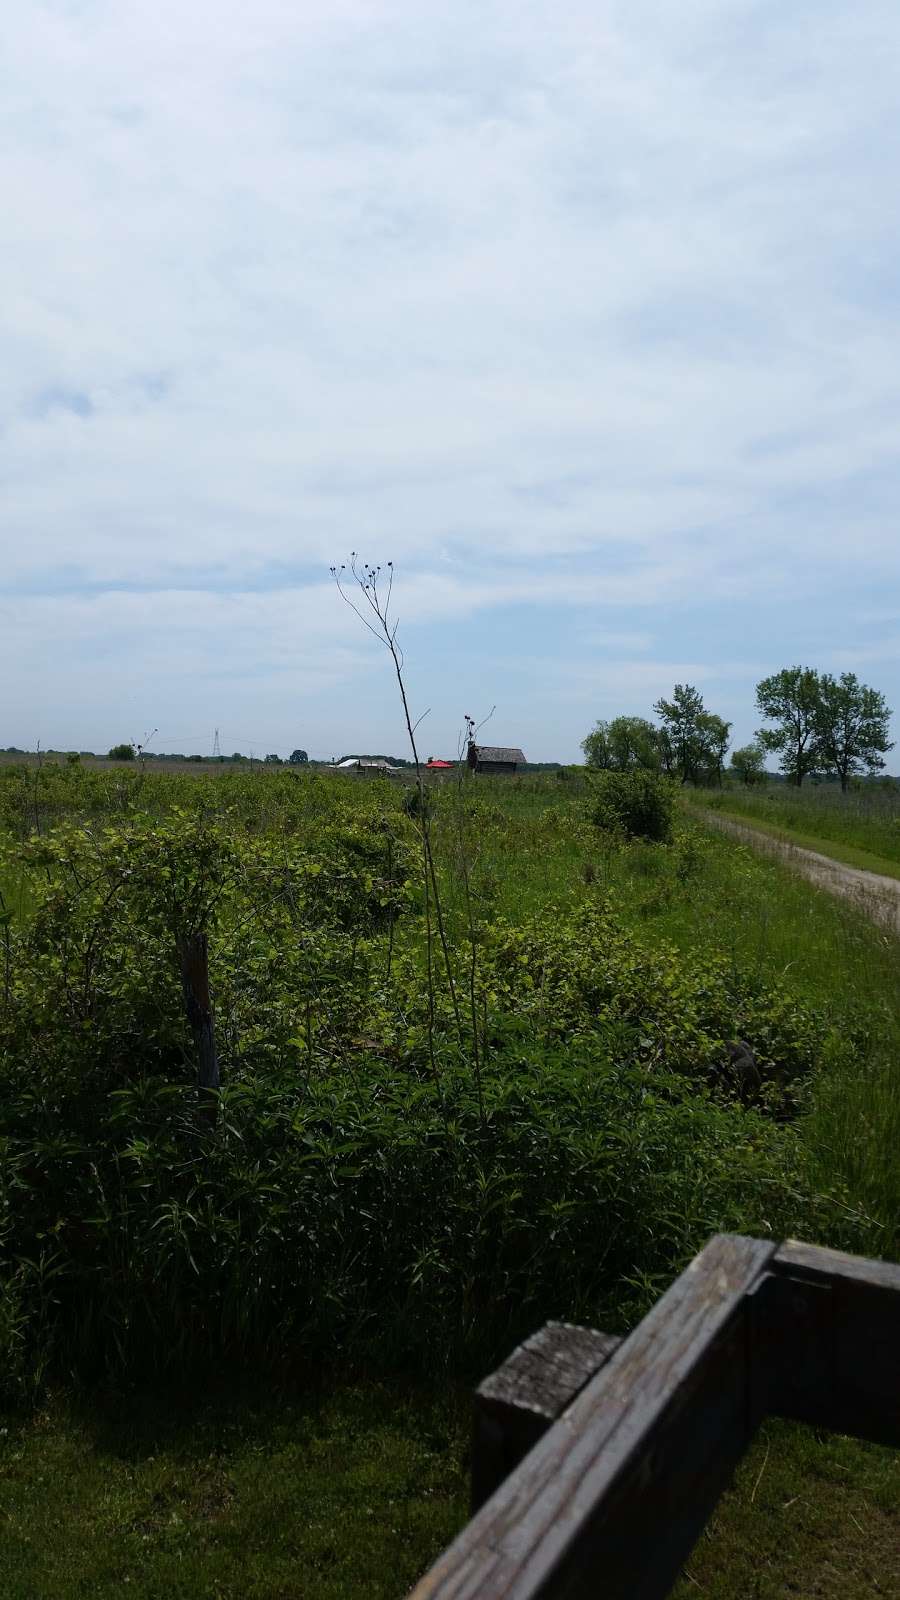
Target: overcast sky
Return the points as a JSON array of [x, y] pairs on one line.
[[586, 316]]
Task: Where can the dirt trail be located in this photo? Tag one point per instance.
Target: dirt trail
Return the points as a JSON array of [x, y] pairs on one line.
[[876, 896]]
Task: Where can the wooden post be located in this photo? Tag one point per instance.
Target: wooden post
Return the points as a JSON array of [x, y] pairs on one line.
[[193, 960], [516, 1405]]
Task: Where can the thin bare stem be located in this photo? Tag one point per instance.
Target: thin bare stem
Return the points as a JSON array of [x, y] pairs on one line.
[[384, 629]]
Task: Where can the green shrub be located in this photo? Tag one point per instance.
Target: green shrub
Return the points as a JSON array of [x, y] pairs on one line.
[[636, 805], [363, 1190], [122, 752], [347, 1199]]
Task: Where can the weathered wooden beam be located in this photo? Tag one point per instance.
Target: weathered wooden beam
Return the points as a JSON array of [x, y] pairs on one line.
[[827, 1329], [611, 1500], [516, 1405]]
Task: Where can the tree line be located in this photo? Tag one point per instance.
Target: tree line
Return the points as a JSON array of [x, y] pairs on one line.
[[818, 726]]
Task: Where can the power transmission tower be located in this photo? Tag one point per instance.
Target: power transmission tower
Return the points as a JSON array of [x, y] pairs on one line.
[[216, 751]]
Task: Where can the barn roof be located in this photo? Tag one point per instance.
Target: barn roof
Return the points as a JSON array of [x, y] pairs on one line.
[[499, 752]]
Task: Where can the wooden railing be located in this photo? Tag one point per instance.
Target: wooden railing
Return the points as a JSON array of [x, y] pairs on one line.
[[597, 1462]]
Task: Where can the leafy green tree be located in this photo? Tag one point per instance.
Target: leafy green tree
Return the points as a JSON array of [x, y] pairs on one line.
[[713, 734], [298, 758], [597, 748], [852, 726], [634, 744], [749, 763], [122, 752], [791, 699], [273, 761], [683, 731], [667, 757], [626, 744]]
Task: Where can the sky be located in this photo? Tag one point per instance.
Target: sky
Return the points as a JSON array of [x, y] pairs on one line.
[[585, 317]]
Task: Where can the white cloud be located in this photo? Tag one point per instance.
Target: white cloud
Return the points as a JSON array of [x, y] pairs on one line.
[[590, 308]]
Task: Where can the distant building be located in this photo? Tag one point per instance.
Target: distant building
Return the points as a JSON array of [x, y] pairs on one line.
[[495, 758], [433, 764], [368, 769]]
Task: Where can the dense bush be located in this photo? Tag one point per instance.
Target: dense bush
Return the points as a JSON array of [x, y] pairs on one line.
[[636, 804], [379, 1179]]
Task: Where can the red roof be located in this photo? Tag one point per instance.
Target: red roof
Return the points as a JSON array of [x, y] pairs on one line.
[[443, 764]]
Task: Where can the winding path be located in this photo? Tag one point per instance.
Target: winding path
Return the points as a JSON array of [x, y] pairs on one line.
[[878, 897]]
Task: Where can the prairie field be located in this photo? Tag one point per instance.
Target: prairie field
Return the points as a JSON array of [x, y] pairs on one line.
[[860, 826], [473, 1075]]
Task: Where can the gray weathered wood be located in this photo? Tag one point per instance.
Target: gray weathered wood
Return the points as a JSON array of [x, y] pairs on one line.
[[614, 1495], [833, 1321], [516, 1405]]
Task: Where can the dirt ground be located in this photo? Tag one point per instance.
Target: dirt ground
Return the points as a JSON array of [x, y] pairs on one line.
[[876, 896]]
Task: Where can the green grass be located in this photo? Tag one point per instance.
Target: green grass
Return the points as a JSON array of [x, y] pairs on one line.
[[860, 827], [848, 854], [354, 1492], [809, 1515], [773, 923], [345, 1493]]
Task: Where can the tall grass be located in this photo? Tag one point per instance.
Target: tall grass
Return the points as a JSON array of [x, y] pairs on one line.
[[866, 818]]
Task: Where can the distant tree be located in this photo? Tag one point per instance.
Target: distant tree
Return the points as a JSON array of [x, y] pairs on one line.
[[626, 744], [273, 761], [236, 756], [597, 749], [683, 733], [713, 734], [852, 726], [667, 757], [634, 744], [791, 699], [298, 758], [749, 763], [122, 752]]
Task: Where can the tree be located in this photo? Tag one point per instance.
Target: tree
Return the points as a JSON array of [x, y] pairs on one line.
[[122, 752], [298, 758], [597, 749], [749, 763], [634, 745], [851, 725], [791, 698], [680, 728], [667, 756], [713, 734], [273, 761], [626, 744]]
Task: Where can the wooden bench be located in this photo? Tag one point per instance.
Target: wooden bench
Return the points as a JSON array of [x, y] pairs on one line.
[[597, 1462]]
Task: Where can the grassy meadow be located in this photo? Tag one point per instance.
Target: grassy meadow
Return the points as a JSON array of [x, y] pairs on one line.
[[469, 1082], [861, 827]]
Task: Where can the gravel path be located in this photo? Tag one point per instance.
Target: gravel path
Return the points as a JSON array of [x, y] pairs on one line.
[[876, 896]]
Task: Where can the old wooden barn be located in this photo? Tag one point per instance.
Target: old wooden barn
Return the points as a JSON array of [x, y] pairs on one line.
[[495, 758]]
